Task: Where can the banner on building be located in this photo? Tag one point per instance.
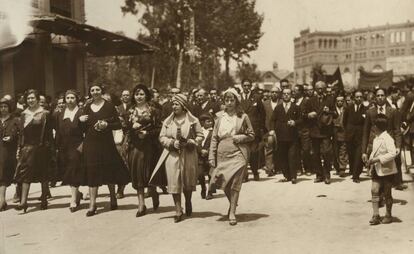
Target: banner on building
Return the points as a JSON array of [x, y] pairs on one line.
[[369, 80]]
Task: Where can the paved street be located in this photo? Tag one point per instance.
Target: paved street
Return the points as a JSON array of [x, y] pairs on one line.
[[273, 217]]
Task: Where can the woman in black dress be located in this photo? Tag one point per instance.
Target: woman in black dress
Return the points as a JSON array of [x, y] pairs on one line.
[[143, 129], [35, 147], [69, 136], [9, 128], [102, 162]]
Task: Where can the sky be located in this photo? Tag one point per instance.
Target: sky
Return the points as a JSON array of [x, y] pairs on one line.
[[283, 21]]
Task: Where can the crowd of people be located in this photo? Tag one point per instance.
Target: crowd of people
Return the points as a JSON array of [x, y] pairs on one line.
[[178, 140]]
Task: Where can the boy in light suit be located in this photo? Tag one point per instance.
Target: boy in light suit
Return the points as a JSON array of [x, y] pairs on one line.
[[383, 168]]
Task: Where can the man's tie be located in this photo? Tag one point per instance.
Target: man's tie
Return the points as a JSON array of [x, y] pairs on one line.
[[381, 109]]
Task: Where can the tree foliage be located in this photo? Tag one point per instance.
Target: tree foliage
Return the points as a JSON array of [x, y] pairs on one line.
[[223, 28], [248, 70]]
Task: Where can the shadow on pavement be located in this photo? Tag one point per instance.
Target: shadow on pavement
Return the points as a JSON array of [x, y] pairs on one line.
[[127, 207], [164, 209], [245, 217], [400, 201], [204, 214], [301, 179], [337, 180]]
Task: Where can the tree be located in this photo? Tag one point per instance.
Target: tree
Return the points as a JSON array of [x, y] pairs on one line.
[[248, 70], [234, 27], [223, 28]]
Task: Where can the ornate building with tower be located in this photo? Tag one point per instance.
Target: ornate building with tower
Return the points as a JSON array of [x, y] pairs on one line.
[[375, 49]]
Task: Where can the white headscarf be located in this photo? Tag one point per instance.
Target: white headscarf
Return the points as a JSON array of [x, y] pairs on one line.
[[234, 92]]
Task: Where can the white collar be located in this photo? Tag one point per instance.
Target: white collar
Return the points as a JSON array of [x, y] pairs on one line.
[[70, 113], [29, 115], [384, 107]]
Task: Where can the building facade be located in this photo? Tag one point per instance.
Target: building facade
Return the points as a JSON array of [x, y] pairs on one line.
[[374, 49], [51, 58], [46, 61]]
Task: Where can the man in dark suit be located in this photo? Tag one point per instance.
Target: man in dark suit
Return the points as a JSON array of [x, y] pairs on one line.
[[271, 142], [394, 122], [319, 114], [354, 118], [340, 154], [167, 106], [123, 108], [284, 122], [204, 105], [303, 128], [394, 100], [253, 107]]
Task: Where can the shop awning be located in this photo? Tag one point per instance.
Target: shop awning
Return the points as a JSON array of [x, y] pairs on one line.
[[97, 41]]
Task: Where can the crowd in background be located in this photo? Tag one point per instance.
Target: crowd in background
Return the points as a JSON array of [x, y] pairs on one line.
[[180, 139]]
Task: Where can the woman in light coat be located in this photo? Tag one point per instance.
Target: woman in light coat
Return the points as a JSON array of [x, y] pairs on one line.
[[180, 135], [230, 151]]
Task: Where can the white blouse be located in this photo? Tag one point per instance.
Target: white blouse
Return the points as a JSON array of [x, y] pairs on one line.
[[227, 126]]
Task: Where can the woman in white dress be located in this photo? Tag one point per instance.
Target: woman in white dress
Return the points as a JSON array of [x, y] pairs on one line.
[[229, 150]]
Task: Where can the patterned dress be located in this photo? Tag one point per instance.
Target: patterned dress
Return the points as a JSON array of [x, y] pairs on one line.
[[143, 149]]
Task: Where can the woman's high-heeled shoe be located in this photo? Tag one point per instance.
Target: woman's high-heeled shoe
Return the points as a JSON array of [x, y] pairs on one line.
[[233, 222], [141, 213], [73, 209], [178, 218], [91, 212], [3, 207], [22, 207]]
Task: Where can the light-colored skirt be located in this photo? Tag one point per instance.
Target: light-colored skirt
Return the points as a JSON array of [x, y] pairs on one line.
[[231, 166], [180, 177]]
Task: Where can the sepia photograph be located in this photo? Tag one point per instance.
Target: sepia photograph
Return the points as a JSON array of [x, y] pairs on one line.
[[206, 126]]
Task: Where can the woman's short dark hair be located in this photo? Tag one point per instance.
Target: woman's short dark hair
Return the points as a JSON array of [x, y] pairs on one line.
[[100, 86], [381, 122], [31, 91], [70, 91], [144, 88]]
